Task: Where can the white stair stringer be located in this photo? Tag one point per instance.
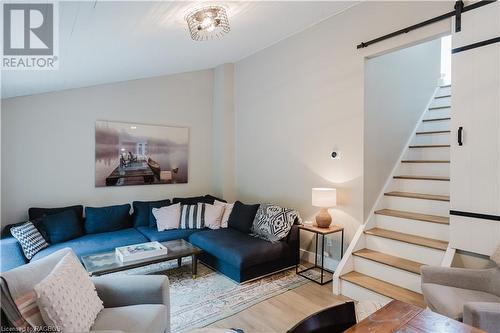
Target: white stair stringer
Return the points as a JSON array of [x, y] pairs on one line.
[[419, 186]]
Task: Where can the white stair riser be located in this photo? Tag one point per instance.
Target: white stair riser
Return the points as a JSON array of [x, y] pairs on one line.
[[424, 169], [389, 274], [431, 139], [432, 207], [413, 252], [439, 113], [441, 102], [441, 125], [414, 227], [444, 91], [420, 186], [355, 292], [428, 154]]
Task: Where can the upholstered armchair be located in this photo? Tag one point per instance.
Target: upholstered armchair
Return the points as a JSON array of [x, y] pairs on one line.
[[132, 303], [468, 295]]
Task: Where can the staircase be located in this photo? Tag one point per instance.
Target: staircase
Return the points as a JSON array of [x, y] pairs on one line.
[[410, 226]]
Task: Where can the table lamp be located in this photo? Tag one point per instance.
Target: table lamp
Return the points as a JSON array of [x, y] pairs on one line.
[[324, 198]]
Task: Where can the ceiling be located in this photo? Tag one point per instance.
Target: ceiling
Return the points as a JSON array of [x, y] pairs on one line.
[[102, 42]]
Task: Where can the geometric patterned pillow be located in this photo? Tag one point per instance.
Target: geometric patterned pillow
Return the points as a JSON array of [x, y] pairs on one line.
[[30, 238], [273, 223]]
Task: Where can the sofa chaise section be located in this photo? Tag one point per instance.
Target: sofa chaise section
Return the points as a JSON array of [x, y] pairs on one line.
[[243, 257]]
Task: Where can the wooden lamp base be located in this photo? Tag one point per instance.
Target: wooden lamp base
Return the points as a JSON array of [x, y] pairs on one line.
[[323, 219]]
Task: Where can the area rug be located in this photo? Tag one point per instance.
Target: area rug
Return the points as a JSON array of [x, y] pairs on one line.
[[212, 296]]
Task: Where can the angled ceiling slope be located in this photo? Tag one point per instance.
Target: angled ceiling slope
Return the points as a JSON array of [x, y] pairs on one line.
[[103, 42]]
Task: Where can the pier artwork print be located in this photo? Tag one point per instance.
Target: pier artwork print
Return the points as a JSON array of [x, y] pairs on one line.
[[137, 154]]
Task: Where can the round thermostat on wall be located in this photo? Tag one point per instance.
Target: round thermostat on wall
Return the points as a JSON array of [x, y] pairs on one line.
[[335, 155]]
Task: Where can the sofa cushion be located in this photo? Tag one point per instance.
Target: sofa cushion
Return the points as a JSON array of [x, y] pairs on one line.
[[242, 216], [238, 249], [94, 243], [213, 199], [162, 236], [105, 219], [193, 200], [449, 301], [133, 318], [143, 216], [11, 254], [35, 213], [61, 227]]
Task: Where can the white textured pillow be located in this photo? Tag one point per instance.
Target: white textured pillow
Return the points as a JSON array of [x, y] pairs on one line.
[[67, 298], [227, 211], [168, 217], [213, 215]]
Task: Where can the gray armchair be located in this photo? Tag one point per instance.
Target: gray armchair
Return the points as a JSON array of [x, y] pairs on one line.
[[132, 303], [468, 295]]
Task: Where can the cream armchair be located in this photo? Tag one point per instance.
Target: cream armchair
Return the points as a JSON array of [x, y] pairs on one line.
[[468, 295]]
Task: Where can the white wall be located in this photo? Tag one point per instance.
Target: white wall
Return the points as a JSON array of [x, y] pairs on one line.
[[48, 140], [223, 132], [398, 86], [298, 99]]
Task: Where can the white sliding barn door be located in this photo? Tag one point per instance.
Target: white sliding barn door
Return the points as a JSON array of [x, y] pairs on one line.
[[475, 164]]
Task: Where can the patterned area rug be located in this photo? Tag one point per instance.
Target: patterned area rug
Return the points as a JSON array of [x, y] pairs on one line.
[[212, 296]]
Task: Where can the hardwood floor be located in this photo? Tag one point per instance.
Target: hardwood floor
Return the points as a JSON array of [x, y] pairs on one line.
[[281, 312]]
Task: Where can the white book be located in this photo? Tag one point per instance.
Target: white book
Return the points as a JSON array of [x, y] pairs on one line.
[[140, 251]]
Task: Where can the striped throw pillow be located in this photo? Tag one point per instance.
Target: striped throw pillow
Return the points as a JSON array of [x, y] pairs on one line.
[[30, 238], [193, 216]]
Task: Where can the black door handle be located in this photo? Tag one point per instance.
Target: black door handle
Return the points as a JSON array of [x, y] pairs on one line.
[[460, 136]]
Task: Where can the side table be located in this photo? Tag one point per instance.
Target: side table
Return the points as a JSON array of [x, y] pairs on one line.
[[323, 232]]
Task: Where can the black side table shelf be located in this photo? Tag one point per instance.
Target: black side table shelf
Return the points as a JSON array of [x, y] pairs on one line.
[[323, 232]]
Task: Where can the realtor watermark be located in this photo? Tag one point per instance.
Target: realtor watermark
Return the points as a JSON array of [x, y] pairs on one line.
[[30, 36]]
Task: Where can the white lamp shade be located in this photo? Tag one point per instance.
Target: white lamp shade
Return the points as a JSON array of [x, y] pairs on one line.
[[324, 197]]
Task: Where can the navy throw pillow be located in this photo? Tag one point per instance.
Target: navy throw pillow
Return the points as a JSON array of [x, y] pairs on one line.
[[35, 213], [105, 219], [212, 199], [143, 212], [193, 200], [61, 227], [241, 217]]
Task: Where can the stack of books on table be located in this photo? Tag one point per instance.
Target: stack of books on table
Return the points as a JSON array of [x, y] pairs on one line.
[[140, 251]]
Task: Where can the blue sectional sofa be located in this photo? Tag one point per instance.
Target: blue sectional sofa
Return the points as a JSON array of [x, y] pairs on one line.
[[236, 254]]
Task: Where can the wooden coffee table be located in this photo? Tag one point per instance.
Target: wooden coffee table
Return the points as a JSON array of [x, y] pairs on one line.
[[106, 262], [398, 316]]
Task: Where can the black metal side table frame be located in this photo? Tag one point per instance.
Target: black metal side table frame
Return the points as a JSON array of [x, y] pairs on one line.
[[324, 232]]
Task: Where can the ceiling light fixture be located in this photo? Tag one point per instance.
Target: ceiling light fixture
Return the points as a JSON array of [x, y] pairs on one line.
[[208, 23]]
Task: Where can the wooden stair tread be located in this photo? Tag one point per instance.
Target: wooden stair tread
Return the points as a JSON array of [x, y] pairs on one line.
[[439, 178], [384, 288], [435, 119], [425, 161], [442, 96], [414, 216], [418, 196], [432, 132], [390, 260], [408, 238], [430, 146]]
